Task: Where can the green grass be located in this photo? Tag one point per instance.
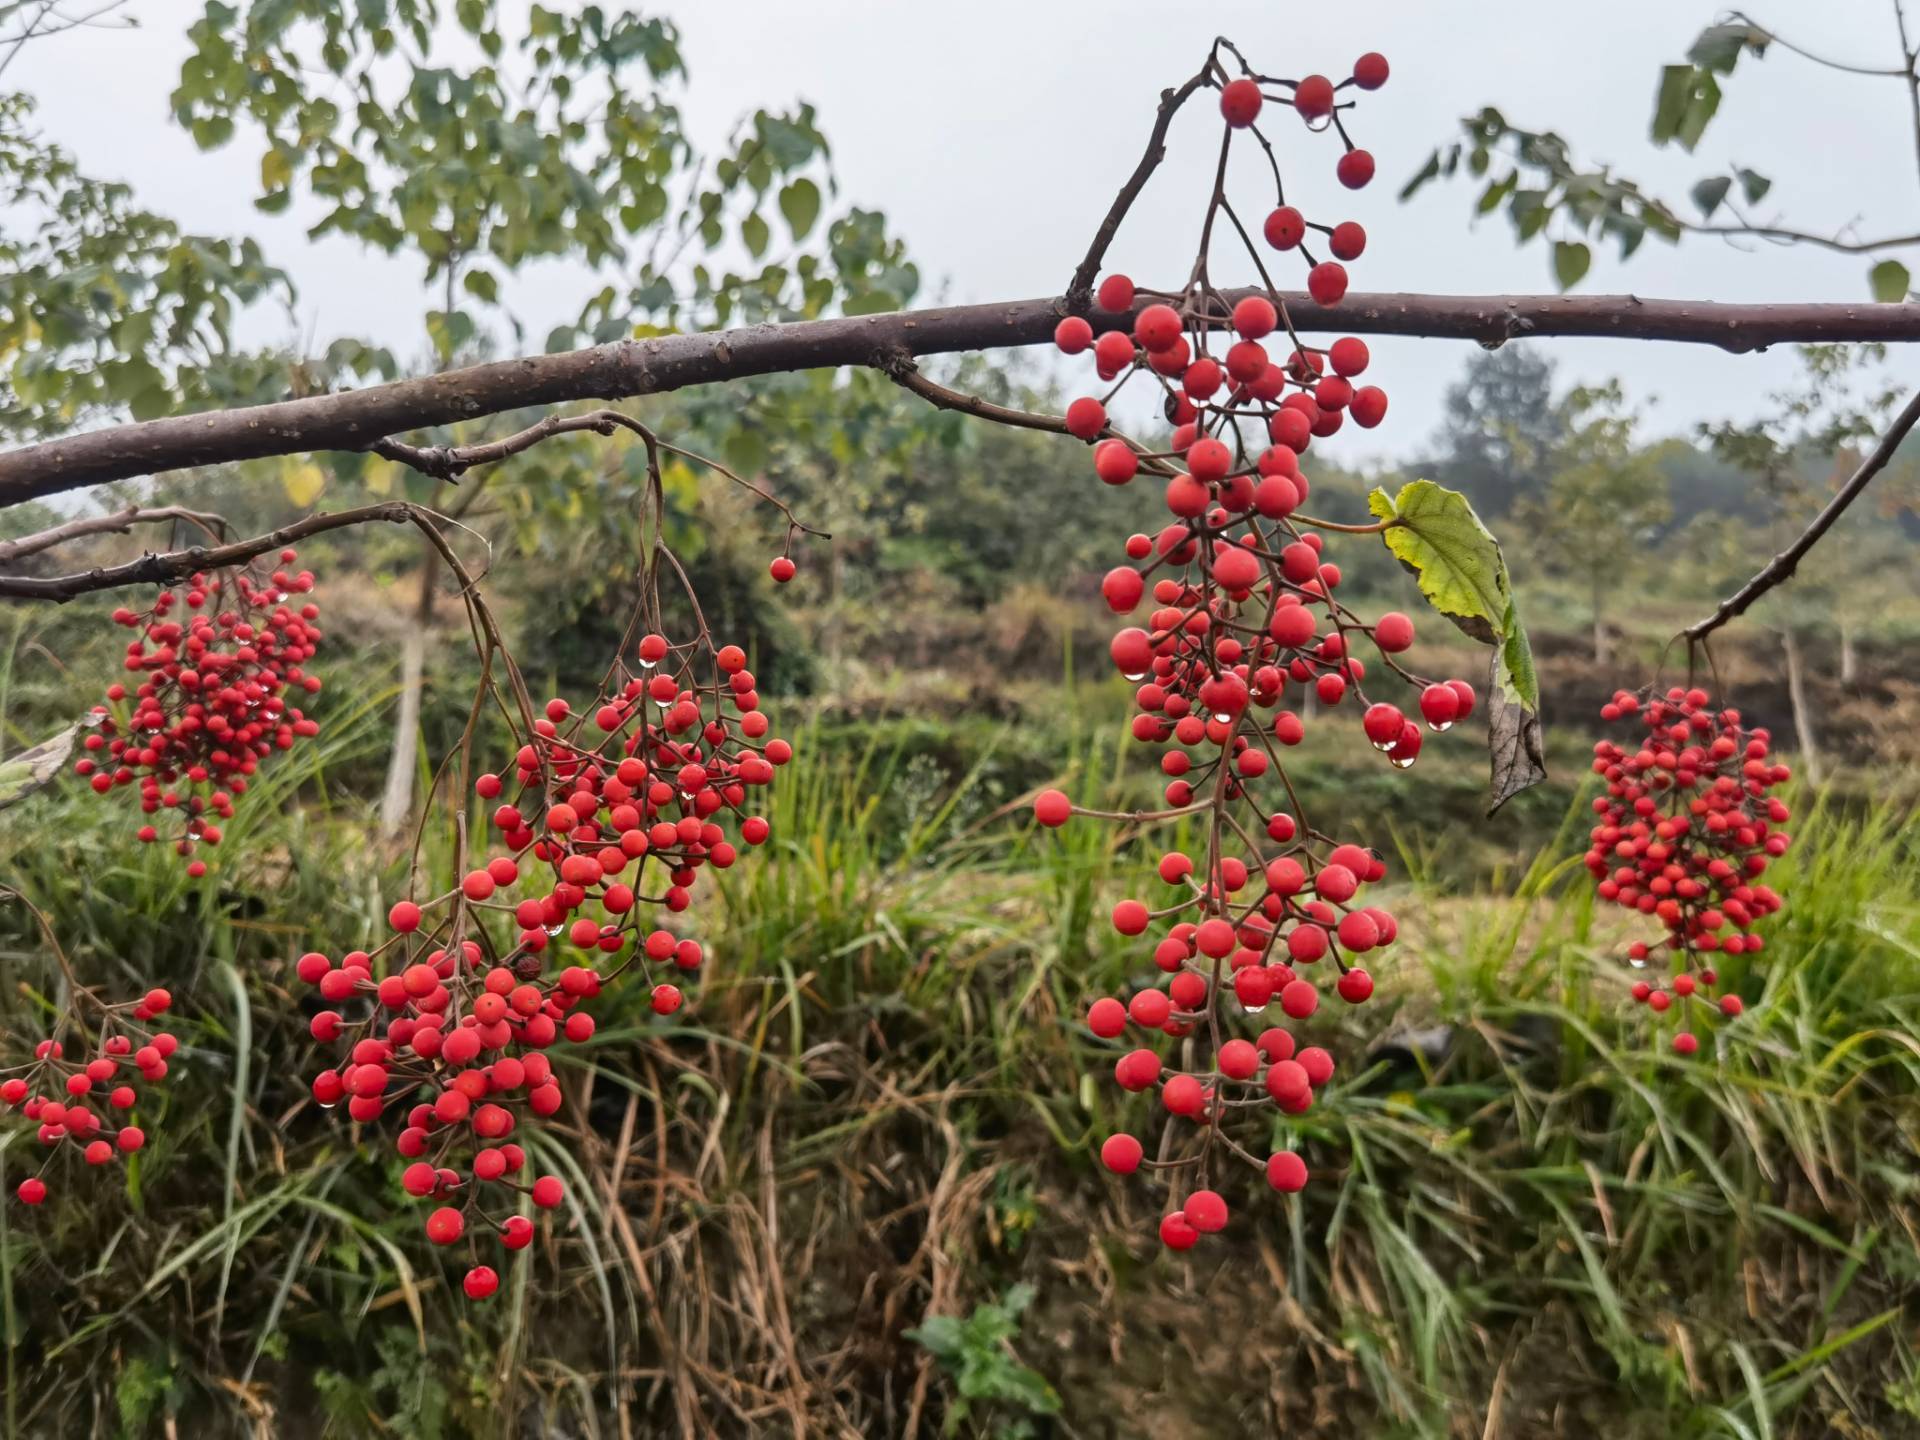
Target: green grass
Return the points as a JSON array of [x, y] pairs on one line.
[[881, 1107]]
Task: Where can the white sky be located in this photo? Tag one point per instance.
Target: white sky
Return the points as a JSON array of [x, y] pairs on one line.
[[994, 134]]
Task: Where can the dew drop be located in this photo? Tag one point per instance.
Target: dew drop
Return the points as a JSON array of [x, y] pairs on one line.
[[1444, 725], [1400, 764], [1133, 679]]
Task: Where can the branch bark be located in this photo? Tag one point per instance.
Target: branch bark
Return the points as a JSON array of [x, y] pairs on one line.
[[118, 523], [174, 565], [361, 419], [1781, 567]]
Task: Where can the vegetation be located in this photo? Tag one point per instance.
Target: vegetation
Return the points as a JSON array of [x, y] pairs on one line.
[[854, 1186]]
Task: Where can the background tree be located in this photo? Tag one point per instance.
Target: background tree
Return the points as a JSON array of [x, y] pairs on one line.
[[1603, 503]]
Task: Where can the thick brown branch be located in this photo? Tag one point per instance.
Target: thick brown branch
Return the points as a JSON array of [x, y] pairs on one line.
[[1781, 567], [359, 419], [175, 565], [118, 523]]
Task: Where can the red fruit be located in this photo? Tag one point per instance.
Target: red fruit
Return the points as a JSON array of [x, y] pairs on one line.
[[1073, 335], [548, 1192], [1348, 240], [1285, 228], [1686, 1043], [1393, 632], [1356, 986], [1462, 692], [32, 1190], [1107, 1018], [1130, 917], [1255, 317], [1439, 706], [1313, 97], [1157, 327], [1299, 999], [1318, 1064], [1115, 293], [1355, 169], [1183, 1095], [1238, 1059], [1286, 1172], [1370, 70], [1348, 356], [1122, 588], [1731, 1005], [1369, 405], [404, 917], [1176, 1233], [480, 1282], [1327, 283], [1382, 722], [1115, 462], [445, 1225], [1121, 1154], [1240, 102], [782, 569], [1051, 807], [1206, 1211], [1086, 418]]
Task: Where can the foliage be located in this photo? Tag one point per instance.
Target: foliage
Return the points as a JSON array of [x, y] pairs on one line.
[[1552, 197], [977, 1352]]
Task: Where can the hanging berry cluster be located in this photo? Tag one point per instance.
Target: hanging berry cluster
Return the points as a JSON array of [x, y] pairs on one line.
[[1245, 619], [1686, 830], [608, 820], [211, 702], [84, 1108]]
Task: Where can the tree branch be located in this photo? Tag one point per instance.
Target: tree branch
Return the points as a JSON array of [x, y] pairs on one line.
[[175, 565], [360, 420], [118, 523], [1080, 289], [449, 462], [1781, 567]]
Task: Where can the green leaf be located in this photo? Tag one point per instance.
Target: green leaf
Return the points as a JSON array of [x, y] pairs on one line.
[[1889, 280], [1670, 103], [1700, 109], [1463, 575], [1570, 262], [800, 203], [481, 283], [1711, 192], [33, 770], [1425, 173], [754, 231], [1753, 185]]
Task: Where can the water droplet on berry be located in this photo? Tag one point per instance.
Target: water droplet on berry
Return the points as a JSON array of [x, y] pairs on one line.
[[1403, 762], [1442, 726], [1133, 679]]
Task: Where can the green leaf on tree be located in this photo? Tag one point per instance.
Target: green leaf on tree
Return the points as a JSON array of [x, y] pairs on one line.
[[1463, 575], [1718, 47], [1570, 262], [1753, 185], [800, 203], [1890, 281], [1711, 192]]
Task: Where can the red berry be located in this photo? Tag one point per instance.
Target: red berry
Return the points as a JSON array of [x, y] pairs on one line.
[[1313, 97], [1355, 169], [1240, 102], [1370, 70], [1121, 1154]]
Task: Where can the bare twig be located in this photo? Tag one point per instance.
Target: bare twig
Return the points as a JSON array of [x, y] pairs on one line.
[[1781, 567], [450, 462], [167, 567], [1080, 289], [118, 523]]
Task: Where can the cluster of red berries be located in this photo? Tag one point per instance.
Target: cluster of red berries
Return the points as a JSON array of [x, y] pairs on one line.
[[1245, 618], [1686, 830], [467, 998], [59, 1095], [211, 700]]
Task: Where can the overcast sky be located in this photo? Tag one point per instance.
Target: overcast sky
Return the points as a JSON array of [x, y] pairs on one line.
[[994, 133]]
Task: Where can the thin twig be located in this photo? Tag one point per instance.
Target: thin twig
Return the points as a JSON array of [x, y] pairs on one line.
[[1781, 567], [118, 523]]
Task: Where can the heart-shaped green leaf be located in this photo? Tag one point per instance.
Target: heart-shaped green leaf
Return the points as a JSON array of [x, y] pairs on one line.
[[1462, 573]]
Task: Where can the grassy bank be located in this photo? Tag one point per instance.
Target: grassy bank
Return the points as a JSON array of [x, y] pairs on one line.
[[880, 1110]]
